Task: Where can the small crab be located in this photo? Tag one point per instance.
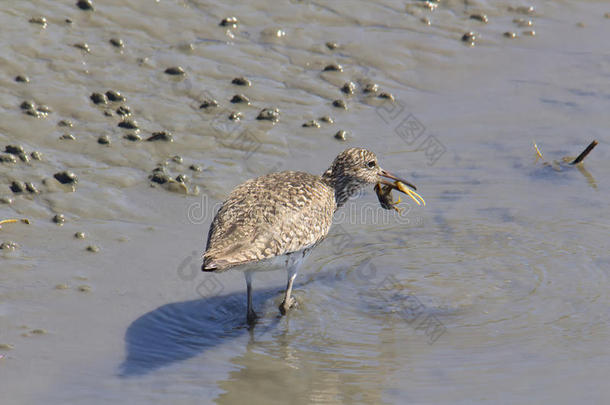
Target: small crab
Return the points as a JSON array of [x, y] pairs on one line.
[[384, 194]]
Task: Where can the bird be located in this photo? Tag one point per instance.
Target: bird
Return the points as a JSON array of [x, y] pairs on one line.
[[275, 220]]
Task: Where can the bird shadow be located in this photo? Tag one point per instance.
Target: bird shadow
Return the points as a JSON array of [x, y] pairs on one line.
[[179, 331]]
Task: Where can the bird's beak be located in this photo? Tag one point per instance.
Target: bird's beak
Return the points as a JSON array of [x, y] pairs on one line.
[[387, 175], [399, 184]]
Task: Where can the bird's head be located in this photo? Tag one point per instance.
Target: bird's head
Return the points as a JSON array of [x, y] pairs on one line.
[[353, 169]]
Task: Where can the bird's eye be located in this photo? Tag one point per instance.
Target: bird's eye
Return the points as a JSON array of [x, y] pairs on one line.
[[371, 164]]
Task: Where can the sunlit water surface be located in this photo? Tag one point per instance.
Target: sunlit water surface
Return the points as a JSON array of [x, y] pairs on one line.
[[496, 291]]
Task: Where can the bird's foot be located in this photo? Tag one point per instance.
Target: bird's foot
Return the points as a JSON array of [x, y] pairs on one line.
[[251, 317], [285, 306]]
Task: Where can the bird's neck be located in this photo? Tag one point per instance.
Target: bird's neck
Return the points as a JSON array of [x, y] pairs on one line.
[[344, 187]]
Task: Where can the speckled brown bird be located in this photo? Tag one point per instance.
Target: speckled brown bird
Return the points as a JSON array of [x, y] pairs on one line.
[[274, 221]]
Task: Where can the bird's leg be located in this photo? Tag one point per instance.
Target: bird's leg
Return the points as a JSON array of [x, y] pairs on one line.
[[289, 301], [250, 314]]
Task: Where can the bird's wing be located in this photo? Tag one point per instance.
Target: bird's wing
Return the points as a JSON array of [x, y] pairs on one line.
[[269, 216]]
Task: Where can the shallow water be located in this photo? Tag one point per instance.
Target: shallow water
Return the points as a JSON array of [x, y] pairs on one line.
[[496, 291]]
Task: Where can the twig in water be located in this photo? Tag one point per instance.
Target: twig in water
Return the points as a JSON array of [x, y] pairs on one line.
[[584, 153], [12, 221], [537, 150]]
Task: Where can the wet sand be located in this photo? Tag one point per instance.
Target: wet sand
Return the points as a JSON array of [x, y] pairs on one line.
[[496, 291]]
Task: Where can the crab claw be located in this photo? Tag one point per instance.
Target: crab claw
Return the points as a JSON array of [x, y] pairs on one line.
[[400, 185]]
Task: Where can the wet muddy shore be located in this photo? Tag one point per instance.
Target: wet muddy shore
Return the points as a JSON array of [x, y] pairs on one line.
[[124, 124]]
